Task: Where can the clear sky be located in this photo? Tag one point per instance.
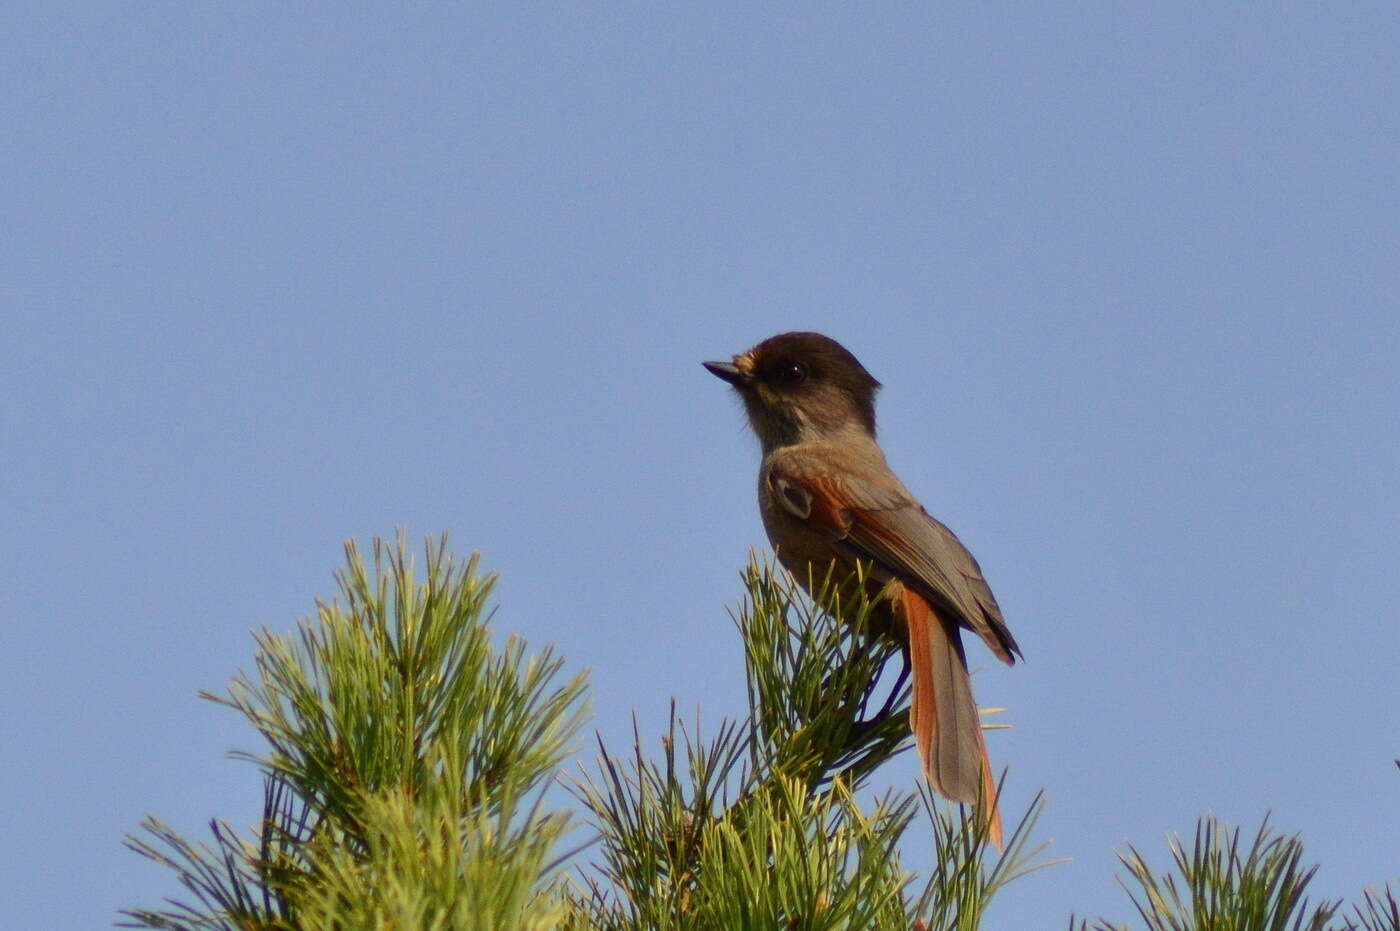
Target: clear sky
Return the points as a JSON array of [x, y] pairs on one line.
[[277, 275]]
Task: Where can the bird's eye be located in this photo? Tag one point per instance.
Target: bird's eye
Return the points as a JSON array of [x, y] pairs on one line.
[[791, 373]]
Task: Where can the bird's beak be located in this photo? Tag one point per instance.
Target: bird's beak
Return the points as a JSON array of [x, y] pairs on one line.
[[729, 372]]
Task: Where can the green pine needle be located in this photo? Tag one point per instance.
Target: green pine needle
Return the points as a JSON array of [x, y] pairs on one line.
[[760, 826], [1222, 885], [403, 746]]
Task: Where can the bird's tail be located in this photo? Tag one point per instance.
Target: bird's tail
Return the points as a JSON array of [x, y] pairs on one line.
[[947, 728]]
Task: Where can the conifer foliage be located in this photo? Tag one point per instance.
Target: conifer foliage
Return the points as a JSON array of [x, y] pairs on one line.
[[405, 757], [408, 756], [761, 825]]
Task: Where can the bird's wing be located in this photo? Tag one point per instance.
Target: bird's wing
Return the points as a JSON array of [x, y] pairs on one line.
[[877, 521]]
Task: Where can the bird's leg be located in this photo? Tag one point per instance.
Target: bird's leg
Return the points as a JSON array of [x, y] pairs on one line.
[[887, 709], [898, 684]]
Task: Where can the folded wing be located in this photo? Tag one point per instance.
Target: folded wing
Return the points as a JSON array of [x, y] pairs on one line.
[[884, 526]]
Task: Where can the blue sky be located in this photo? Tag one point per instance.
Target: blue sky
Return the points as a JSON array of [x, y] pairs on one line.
[[274, 276]]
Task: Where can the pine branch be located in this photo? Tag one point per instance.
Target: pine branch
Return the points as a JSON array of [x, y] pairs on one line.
[[403, 750], [1377, 911], [813, 666], [1220, 885], [759, 827], [961, 885]]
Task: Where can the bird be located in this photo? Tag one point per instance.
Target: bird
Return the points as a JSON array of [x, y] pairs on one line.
[[828, 497]]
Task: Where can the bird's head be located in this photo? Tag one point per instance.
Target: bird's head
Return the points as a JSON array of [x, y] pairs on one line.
[[799, 387]]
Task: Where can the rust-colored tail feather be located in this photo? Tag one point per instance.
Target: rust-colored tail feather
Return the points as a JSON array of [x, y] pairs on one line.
[[943, 714]]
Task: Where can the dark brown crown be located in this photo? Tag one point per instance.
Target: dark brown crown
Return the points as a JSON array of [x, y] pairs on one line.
[[824, 360]]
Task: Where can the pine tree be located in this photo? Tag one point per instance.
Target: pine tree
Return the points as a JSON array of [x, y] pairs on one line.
[[407, 756]]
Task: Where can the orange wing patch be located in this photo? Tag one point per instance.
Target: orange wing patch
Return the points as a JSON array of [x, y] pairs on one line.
[[817, 501]]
